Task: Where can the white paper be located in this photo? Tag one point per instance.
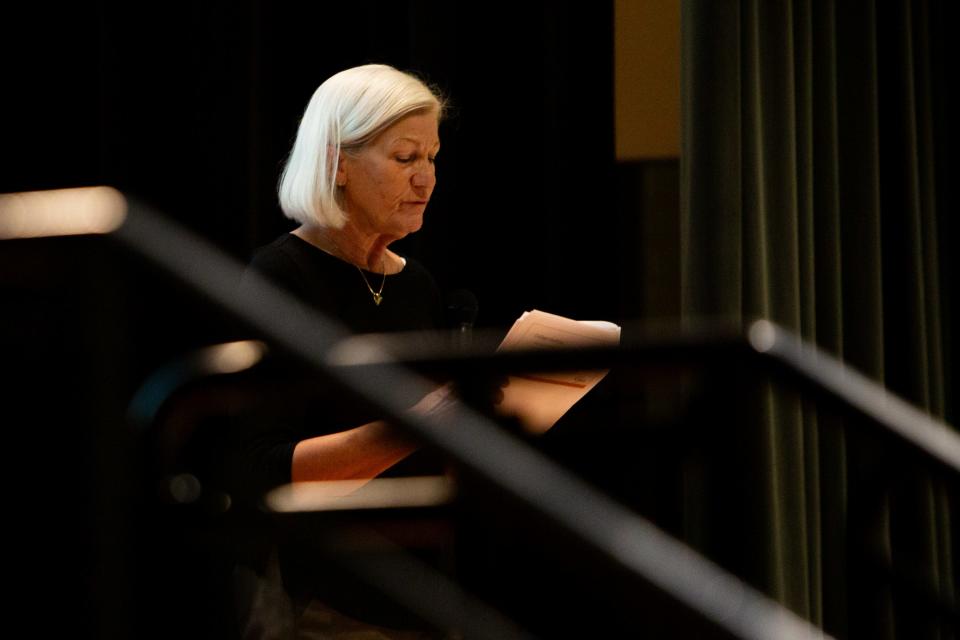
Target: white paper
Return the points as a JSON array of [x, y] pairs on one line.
[[540, 399]]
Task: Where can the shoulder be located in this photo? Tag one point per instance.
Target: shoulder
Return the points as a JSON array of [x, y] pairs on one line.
[[279, 253], [419, 287], [289, 255], [286, 261], [414, 271], [412, 265]]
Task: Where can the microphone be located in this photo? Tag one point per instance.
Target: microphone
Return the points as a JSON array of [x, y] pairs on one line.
[[462, 307]]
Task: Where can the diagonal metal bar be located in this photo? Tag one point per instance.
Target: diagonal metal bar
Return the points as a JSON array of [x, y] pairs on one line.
[[608, 528]]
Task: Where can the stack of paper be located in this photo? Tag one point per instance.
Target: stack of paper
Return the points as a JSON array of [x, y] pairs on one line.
[[540, 399]]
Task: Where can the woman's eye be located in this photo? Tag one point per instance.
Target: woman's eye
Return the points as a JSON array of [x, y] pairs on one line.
[[414, 158]]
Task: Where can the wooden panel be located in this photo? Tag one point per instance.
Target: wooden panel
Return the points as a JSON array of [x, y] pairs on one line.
[[647, 78]]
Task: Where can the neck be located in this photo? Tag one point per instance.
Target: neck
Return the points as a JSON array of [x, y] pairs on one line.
[[368, 251]]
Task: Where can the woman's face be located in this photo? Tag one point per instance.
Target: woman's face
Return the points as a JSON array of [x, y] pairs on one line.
[[387, 184]]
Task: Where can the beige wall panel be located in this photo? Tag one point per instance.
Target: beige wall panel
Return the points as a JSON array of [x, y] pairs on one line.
[[647, 78]]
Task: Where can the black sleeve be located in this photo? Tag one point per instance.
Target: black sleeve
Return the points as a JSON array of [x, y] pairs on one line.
[[267, 438], [262, 452], [264, 438]]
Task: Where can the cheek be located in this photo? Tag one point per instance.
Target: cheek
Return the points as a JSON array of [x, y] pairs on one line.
[[378, 187], [388, 183], [397, 186]]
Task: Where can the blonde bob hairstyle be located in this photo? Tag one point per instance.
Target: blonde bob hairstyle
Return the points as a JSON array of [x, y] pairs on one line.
[[347, 111]]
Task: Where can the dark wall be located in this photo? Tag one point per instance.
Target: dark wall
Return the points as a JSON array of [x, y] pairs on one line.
[[192, 107]]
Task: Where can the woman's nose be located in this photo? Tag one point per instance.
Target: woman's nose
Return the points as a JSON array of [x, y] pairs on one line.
[[426, 176]]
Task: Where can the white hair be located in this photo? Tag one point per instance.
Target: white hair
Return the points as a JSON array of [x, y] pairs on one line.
[[347, 111]]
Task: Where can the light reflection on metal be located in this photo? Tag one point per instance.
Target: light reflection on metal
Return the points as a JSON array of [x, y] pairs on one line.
[[381, 493], [184, 488], [762, 335], [369, 348], [233, 357], [61, 212]]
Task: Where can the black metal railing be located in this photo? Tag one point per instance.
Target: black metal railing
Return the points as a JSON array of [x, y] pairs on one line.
[[638, 558]]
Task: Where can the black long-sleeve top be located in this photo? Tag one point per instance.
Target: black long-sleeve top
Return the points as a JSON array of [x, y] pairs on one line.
[[411, 302]]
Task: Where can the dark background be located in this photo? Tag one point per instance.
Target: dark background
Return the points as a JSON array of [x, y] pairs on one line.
[[191, 109]]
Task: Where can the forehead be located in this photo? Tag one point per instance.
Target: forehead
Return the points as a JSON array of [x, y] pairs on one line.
[[421, 129]]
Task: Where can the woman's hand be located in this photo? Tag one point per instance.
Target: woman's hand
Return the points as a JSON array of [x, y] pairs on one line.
[[442, 399], [499, 384], [438, 400]]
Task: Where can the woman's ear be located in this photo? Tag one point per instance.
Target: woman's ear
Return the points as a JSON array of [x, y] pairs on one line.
[[341, 177], [341, 172]]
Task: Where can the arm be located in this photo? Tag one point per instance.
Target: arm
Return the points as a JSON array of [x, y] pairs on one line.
[[361, 452]]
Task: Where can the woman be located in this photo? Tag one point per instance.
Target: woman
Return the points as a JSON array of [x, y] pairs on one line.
[[359, 177]]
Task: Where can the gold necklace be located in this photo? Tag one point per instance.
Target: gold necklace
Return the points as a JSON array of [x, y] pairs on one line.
[[377, 295]]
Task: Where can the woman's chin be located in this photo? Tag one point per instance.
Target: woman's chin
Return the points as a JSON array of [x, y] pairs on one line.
[[413, 224], [401, 226]]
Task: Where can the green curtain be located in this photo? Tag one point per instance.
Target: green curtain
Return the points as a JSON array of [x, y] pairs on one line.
[[814, 193]]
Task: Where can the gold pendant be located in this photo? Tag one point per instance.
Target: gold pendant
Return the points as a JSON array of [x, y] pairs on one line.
[[377, 298]]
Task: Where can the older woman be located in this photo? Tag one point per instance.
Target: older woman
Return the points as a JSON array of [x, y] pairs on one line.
[[359, 177]]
